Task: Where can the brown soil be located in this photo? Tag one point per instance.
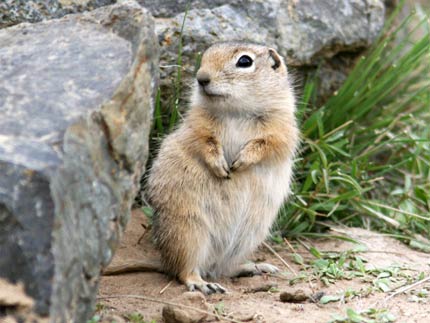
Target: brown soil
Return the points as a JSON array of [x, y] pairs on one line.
[[245, 302]]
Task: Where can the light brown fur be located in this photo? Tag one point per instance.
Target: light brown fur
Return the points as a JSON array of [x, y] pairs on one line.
[[221, 177]]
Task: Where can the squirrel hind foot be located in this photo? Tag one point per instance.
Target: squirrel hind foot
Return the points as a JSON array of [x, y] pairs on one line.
[[206, 288], [251, 269], [194, 282]]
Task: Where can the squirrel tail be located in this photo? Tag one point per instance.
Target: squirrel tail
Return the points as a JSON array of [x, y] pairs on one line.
[[131, 266]]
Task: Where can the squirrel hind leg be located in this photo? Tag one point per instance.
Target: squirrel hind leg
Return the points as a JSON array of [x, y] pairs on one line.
[[252, 269], [194, 281]]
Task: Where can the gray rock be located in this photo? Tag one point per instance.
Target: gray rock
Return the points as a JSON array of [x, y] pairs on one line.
[[170, 8], [309, 30], [76, 96], [13, 12]]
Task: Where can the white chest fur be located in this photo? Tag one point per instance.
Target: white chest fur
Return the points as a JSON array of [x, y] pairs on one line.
[[243, 208], [236, 132]]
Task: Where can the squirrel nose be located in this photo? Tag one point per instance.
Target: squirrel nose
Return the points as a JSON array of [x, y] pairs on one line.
[[203, 78]]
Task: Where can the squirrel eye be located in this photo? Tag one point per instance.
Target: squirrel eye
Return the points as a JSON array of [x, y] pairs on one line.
[[244, 61]]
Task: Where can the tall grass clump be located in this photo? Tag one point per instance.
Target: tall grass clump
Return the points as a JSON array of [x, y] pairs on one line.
[[365, 156], [167, 114], [161, 126]]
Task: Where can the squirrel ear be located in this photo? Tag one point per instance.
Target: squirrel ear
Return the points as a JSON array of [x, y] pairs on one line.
[[275, 57]]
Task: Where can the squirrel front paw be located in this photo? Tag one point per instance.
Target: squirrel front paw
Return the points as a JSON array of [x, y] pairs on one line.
[[241, 162], [250, 154], [219, 167]]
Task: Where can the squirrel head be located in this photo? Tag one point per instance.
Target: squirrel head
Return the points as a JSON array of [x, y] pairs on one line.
[[243, 78]]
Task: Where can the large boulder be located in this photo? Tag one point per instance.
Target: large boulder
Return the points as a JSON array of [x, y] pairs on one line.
[[76, 98], [17, 11]]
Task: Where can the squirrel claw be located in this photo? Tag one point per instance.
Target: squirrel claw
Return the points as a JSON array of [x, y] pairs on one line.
[[206, 288]]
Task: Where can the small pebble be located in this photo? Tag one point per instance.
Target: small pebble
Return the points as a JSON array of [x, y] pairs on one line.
[[298, 296], [174, 314]]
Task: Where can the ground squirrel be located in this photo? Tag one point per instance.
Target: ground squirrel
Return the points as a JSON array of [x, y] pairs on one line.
[[220, 178]]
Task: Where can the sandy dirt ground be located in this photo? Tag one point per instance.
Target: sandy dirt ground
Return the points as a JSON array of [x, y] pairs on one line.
[[245, 303]]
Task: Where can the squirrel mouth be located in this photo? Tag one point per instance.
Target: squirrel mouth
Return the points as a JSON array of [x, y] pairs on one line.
[[209, 93]]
